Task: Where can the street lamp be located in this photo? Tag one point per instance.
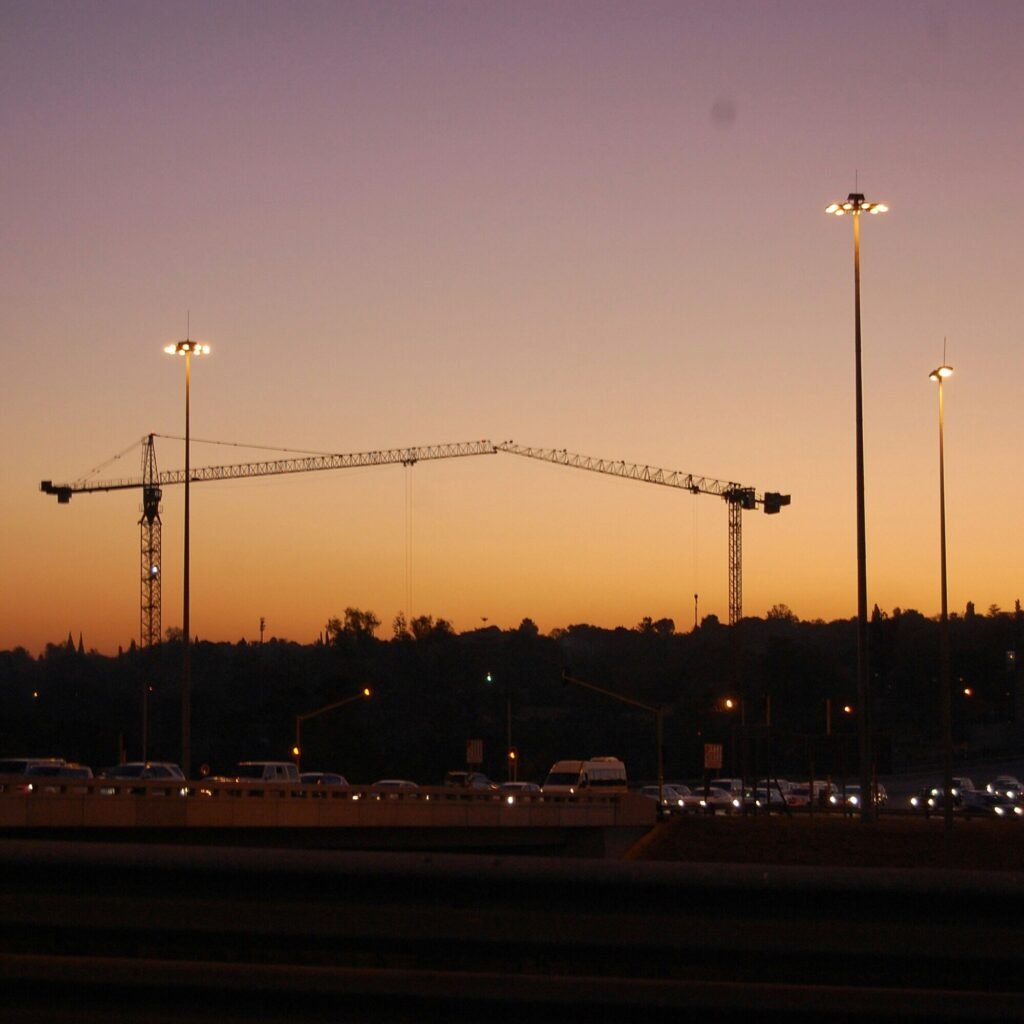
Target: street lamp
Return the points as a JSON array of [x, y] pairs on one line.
[[659, 712], [364, 693], [187, 349], [510, 761], [939, 375], [854, 206]]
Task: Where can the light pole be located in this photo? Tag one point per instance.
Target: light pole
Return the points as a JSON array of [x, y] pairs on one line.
[[854, 206], [510, 757], [187, 349], [658, 711], [363, 694], [939, 375]]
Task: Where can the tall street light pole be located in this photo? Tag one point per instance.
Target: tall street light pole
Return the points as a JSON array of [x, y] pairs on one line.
[[187, 349], [854, 206], [363, 694], [658, 711], [939, 375]]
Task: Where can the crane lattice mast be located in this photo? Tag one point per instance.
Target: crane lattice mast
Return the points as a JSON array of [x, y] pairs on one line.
[[150, 547], [737, 496]]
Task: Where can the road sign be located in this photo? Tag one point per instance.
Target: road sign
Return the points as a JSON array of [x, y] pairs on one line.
[[713, 756]]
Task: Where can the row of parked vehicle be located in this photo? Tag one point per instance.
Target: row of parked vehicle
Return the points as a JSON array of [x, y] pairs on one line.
[[1003, 797], [33, 771], [731, 796], [51, 774]]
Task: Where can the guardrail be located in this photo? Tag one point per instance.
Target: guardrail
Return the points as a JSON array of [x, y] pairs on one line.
[[43, 786], [202, 935], [355, 817]]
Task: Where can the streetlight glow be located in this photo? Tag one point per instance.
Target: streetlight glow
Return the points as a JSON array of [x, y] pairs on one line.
[[187, 348], [941, 373], [855, 204]]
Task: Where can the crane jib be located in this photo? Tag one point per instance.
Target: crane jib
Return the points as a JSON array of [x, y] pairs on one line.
[[737, 496]]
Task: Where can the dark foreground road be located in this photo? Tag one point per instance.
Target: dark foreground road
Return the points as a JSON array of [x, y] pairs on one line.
[[95, 933]]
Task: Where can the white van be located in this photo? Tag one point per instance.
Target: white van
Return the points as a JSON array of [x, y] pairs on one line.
[[597, 775]]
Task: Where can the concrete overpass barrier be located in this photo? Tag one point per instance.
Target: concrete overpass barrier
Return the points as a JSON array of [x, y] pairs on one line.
[[121, 932], [342, 817]]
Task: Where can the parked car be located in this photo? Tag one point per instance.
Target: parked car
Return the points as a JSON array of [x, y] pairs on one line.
[[965, 796], [819, 791], [990, 805], [927, 799], [675, 798], [771, 793], [260, 771], [512, 792], [469, 780], [145, 771], [393, 787], [323, 779], [1005, 786], [799, 795], [852, 799], [729, 785], [964, 790], [721, 801], [19, 766], [36, 777], [1001, 807]]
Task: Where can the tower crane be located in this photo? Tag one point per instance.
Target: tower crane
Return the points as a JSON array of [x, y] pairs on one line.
[[152, 483], [738, 497]]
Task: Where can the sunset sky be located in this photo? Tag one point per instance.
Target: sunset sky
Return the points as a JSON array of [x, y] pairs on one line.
[[583, 225]]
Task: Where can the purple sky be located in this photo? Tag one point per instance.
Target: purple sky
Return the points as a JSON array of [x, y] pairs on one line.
[[597, 226]]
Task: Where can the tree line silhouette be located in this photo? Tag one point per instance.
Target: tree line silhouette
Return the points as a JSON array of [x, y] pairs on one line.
[[777, 694]]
